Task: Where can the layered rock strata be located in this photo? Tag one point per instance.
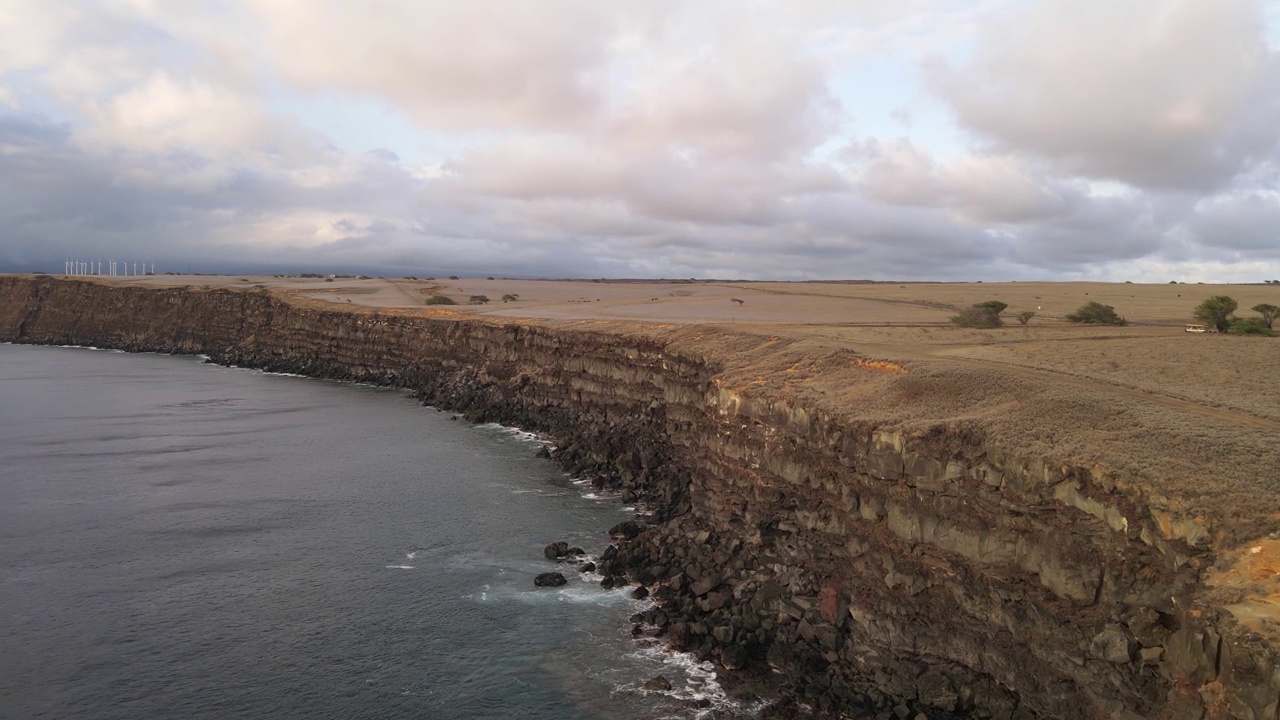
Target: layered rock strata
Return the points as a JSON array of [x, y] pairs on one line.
[[869, 563]]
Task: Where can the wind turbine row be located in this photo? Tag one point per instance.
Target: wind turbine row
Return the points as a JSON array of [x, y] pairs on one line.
[[113, 268]]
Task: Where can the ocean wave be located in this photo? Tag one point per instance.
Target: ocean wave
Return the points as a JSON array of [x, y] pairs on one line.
[[517, 433], [692, 681], [400, 567], [603, 496]]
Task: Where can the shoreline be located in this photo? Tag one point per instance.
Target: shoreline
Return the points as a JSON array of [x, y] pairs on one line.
[[862, 554]]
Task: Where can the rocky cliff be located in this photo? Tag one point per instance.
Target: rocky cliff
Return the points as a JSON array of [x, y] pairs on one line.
[[871, 561]]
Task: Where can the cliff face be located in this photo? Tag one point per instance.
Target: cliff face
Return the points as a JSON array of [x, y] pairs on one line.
[[870, 564]]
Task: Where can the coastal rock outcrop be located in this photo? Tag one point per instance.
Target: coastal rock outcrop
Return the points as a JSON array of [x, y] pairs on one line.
[[870, 564], [549, 579]]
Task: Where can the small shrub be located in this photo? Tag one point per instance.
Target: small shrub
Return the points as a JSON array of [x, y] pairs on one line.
[[440, 300], [453, 277], [1249, 326], [510, 297], [993, 305], [978, 317], [1025, 316], [478, 300], [1095, 313]]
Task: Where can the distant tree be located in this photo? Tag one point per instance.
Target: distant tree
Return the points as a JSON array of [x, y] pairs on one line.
[[510, 297], [1025, 316], [1268, 312], [994, 306], [453, 277], [1216, 311], [478, 300], [1095, 313], [441, 300], [978, 317]]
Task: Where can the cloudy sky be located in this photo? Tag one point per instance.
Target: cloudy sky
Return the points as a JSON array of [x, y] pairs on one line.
[[798, 139]]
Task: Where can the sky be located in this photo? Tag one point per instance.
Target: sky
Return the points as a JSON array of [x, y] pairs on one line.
[[794, 140]]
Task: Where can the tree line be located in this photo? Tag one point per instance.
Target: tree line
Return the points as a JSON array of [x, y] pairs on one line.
[[1217, 312]]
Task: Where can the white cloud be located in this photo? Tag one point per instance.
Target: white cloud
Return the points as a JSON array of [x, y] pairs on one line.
[[166, 113], [1183, 95], [977, 189], [450, 65]]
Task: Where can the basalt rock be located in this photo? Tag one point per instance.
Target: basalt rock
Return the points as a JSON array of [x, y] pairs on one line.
[[550, 579], [658, 684], [867, 565]]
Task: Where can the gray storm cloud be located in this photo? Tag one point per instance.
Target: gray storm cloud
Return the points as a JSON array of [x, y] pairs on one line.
[[1087, 139]]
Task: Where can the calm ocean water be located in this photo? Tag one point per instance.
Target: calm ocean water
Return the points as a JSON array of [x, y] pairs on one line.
[[183, 540]]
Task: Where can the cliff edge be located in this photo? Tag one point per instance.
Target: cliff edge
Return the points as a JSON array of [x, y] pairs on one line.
[[966, 537]]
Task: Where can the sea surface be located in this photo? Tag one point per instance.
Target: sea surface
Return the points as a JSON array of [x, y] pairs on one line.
[[184, 540]]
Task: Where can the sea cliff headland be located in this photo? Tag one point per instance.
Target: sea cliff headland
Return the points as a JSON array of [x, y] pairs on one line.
[[1040, 521]]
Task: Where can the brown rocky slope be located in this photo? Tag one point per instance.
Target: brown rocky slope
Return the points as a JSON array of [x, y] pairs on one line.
[[877, 533]]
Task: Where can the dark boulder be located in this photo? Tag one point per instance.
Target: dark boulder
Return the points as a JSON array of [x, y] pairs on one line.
[[640, 593], [658, 684], [551, 579], [627, 529], [733, 657], [587, 567], [556, 550]]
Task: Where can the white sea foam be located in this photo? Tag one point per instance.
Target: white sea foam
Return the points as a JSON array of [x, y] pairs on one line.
[[400, 567], [604, 496], [516, 433], [691, 680]]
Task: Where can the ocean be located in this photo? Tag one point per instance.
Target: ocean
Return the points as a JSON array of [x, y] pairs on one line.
[[184, 540]]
